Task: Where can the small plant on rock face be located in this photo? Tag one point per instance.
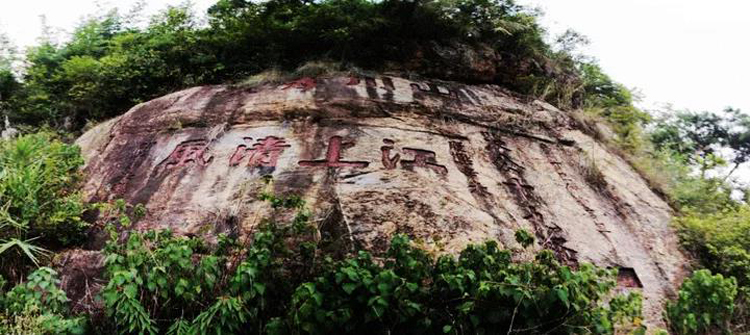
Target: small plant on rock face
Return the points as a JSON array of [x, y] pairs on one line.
[[524, 238], [592, 173]]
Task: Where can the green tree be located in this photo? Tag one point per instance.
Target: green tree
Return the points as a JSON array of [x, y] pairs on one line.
[[700, 137], [112, 63], [613, 102], [8, 82]]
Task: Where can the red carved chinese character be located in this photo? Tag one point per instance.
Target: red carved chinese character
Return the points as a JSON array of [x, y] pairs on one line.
[[333, 155], [389, 162], [239, 153], [264, 153], [423, 159], [193, 151], [353, 81], [303, 84]]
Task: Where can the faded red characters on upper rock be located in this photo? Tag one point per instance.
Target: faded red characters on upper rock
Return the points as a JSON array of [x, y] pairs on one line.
[[304, 84]]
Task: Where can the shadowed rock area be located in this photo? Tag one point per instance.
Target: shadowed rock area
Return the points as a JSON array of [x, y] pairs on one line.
[[446, 163]]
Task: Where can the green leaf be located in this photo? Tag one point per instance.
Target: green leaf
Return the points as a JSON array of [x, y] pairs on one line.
[[130, 291], [562, 294], [349, 287], [31, 251], [260, 288], [466, 307]]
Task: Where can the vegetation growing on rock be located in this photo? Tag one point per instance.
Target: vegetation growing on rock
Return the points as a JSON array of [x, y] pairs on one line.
[[158, 283]]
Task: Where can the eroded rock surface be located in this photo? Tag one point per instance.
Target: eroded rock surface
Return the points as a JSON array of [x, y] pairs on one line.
[[446, 163]]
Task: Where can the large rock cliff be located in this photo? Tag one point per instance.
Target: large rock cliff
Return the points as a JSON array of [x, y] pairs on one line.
[[446, 163]]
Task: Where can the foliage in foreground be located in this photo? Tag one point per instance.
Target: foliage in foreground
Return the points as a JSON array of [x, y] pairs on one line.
[[38, 306], [40, 203], [161, 283], [720, 240], [705, 304], [482, 291]]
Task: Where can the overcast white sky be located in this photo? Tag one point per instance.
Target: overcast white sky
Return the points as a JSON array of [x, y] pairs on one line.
[[693, 54], [20, 18]]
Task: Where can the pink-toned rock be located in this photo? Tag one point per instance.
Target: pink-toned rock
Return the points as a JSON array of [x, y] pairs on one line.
[[80, 276], [446, 163]]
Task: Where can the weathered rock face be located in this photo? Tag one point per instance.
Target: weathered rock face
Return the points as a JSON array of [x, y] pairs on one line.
[[446, 163]]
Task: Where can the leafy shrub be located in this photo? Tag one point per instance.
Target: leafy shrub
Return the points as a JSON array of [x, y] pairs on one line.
[[703, 195], [614, 103], [39, 306], [39, 198], [524, 237], [714, 228], [719, 240], [481, 292], [158, 281], [40, 289], [705, 304]]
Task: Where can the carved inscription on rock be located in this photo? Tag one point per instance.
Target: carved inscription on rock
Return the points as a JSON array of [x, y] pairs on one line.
[[193, 151], [304, 84], [464, 165], [333, 156], [550, 233], [389, 162], [264, 152], [422, 159]]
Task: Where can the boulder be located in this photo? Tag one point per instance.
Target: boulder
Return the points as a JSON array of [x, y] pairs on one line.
[[446, 163]]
